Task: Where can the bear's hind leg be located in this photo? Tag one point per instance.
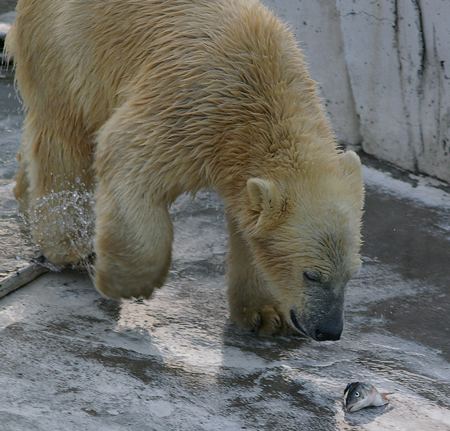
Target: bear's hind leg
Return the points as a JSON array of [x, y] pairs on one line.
[[22, 185], [251, 304], [54, 187]]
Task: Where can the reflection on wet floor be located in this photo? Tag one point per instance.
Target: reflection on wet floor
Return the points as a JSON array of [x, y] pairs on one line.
[[71, 359]]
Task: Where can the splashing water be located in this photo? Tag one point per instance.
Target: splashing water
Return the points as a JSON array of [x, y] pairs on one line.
[[64, 221]]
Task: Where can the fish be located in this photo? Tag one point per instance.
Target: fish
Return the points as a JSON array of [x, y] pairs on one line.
[[361, 395]]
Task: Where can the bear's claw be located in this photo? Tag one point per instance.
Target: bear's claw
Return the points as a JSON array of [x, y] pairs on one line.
[[266, 321]]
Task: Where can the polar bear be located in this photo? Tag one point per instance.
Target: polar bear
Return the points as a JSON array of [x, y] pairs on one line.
[[130, 104]]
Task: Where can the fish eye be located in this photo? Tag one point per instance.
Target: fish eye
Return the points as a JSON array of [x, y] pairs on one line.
[[357, 394], [312, 276]]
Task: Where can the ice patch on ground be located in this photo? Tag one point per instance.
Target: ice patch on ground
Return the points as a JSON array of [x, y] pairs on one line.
[[427, 190]]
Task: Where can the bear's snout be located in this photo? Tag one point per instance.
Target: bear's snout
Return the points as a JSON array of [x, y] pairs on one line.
[[329, 331]]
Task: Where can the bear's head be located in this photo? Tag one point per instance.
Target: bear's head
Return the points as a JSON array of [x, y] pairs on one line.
[[305, 239]]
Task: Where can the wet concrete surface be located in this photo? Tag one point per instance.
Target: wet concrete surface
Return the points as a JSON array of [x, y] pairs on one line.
[[73, 360], [16, 248], [407, 228], [7, 5]]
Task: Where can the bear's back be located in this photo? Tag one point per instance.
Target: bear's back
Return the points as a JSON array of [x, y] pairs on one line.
[[90, 54]]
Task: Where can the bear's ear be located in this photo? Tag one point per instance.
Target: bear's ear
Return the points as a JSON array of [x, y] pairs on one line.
[[352, 162], [263, 194], [352, 167]]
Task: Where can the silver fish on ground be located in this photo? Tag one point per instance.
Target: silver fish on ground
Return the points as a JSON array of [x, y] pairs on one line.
[[361, 395]]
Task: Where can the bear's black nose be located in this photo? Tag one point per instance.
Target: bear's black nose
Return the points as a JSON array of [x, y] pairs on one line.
[[329, 331]]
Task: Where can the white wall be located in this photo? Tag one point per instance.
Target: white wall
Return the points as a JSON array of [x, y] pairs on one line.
[[384, 73]]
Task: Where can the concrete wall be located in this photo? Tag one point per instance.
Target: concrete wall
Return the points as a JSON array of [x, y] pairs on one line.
[[383, 68]]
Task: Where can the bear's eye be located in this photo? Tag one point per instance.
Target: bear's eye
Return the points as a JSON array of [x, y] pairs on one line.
[[312, 276]]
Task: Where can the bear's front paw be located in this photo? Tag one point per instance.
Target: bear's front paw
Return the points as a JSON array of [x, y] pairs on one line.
[[266, 320]]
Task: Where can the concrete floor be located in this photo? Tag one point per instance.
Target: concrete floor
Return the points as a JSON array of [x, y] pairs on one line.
[[73, 360]]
